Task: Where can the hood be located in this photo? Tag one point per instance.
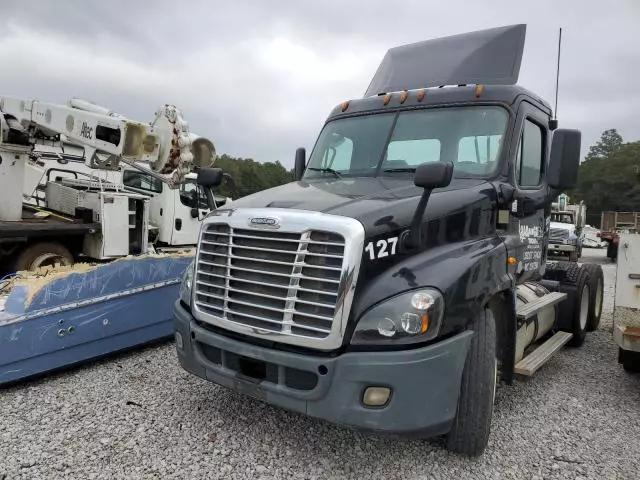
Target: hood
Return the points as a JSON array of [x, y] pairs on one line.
[[380, 204]]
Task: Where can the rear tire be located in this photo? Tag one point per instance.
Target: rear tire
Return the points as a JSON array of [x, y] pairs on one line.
[[573, 312], [470, 432], [596, 290], [630, 360], [42, 255]]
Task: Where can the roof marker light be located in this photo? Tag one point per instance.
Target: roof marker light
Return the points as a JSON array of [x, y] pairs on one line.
[[479, 90], [345, 105], [403, 96], [387, 99], [421, 93]]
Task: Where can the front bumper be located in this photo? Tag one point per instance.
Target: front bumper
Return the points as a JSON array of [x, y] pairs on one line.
[[626, 328], [562, 248], [425, 382]]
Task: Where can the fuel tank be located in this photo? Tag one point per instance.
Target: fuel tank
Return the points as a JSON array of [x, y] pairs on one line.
[[539, 325]]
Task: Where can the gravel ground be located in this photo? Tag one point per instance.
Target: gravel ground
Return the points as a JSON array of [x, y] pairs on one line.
[[139, 415]]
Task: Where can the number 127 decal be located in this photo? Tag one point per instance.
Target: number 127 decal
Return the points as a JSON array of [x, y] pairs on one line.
[[383, 248]]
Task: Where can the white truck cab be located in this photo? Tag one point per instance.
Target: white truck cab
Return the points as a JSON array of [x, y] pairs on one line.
[[174, 214]]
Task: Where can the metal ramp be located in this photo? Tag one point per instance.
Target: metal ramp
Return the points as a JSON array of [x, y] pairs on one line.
[[532, 362]]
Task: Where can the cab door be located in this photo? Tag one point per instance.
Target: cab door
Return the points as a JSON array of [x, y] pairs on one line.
[[191, 206], [529, 215]]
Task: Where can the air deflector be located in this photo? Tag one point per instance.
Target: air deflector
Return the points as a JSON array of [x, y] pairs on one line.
[[490, 57]]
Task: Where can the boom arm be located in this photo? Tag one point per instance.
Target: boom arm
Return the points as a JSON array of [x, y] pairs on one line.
[[165, 144]]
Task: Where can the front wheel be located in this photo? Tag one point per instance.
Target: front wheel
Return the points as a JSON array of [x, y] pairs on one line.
[[470, 432]]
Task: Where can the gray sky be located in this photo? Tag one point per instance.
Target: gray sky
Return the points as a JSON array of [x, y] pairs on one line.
[[260, 77]]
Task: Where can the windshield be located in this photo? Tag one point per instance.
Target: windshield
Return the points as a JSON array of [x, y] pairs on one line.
[[144, 181], [392, 143], [562, 217]]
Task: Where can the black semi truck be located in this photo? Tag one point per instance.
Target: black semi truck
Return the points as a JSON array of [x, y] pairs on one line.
[[404, 272]]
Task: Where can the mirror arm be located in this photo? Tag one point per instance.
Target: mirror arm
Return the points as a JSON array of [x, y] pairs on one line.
[[414, 237], [209, 194]]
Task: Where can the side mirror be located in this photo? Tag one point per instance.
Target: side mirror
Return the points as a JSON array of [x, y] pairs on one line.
[[194, 213], [209, 177], [300, 162], [564, 159], [433, 175], [428, 176]]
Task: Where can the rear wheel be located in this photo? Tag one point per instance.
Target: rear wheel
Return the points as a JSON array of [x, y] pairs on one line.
[[573, 312], [45, 254], [470, 432], [596, 289]]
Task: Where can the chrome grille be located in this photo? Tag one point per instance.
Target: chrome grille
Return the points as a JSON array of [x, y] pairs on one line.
[[558, 234], [296, 285]]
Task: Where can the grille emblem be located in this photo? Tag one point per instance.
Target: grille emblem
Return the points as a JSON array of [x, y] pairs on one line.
[[264, 222]]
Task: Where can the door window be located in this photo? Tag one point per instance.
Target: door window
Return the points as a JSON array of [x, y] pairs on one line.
[[193, 196], [529, 157]]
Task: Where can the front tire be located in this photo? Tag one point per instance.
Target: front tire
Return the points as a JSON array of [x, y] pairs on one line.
[[470, 432]]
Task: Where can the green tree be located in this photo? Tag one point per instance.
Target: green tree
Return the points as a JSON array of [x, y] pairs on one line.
[[250, 176], [610, 141], [610, 182]]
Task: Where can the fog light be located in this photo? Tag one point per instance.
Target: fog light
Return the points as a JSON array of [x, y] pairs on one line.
[[179, 342], [376, 396]]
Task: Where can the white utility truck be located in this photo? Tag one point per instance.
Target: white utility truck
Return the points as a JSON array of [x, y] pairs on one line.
[[566, 234], [626, 310]]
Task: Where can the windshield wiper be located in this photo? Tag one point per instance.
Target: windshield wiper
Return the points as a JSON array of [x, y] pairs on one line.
[[402, 169], [326, 170]]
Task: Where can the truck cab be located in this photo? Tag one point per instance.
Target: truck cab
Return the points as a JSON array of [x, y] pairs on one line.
[[174, 214], [404, 272], [565, 237]]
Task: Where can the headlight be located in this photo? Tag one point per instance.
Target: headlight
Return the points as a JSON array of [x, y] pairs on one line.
[[410, 317], [187, 285]]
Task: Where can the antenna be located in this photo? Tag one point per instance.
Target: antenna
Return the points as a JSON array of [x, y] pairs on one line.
[[553, 124]]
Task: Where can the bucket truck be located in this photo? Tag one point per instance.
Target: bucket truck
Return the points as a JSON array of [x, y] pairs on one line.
[[87, 216]]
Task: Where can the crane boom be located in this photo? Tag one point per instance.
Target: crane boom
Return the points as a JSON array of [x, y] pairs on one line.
[[108, 138]]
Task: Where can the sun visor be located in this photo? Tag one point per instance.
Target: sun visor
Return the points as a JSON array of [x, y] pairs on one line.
[[484, 57]]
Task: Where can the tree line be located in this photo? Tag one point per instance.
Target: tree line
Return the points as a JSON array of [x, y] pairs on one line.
[[249, 176], [609, 177]]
